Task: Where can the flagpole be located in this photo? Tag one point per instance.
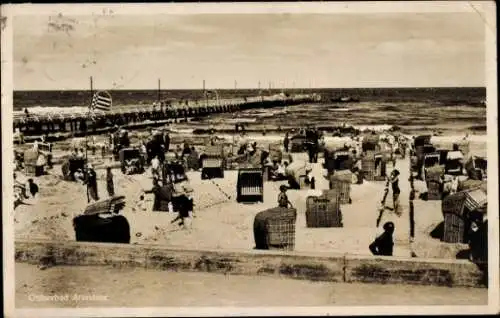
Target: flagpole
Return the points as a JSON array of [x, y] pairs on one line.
[[86, 129]]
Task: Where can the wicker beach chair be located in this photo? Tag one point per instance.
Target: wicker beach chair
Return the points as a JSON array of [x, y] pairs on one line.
[[323, 211], [212, 164], [275, 229], [250, 185], [341, 182], [457, 209]]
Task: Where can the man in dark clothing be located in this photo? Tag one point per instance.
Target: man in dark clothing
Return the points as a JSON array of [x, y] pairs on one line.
[[91, 181], [162, 194], [186, 151], [286, 142], [384, 244], [185, 205], [412, 207], [109, 182], [33, 187], [166, 142], [478, 241]]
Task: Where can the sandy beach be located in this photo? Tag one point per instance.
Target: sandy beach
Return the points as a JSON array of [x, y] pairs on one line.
[[220, 222]]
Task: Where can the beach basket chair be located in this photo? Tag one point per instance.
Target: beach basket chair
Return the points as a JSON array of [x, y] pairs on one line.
[[112, 205], [323, 212], [373, 166], [434, 173], [423, 150], [477, 168], [454, 163], [287, 157], [434, 190], [193, 161], [297, 143], [212, 165], [341, 182], [250, 185], [94, 227], [454, 221], [30, 160], [368, 167], [275, 152], [457, 209], [173, 172], [338, 160], [471, 184], [70, 166], [131, 160], [275, 229], [45, 147], [370, 143], [443, 155], [296, 174], [422, 140], [433, 179], [431, 159]]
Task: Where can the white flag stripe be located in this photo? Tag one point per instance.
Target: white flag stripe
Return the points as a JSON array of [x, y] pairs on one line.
[[100, 102], [104, 99]]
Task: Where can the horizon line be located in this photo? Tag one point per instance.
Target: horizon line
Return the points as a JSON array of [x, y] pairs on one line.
[[247, 88]]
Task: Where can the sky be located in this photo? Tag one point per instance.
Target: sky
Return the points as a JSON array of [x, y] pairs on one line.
[[287, 50]]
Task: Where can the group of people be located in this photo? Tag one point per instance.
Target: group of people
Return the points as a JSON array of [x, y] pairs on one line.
[[88, 176], [169, 197], [31, 186], [384, 243], [313, 137]]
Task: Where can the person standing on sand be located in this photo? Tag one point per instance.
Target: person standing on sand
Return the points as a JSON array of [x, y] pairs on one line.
[[155, 167], [33, 187], [283, 201], [413, 193], [91, 181], [384, 244], [178, 152], [394, 180], [109, 182]]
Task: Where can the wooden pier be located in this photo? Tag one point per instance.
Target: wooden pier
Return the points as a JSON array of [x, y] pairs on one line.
[[75, 123]]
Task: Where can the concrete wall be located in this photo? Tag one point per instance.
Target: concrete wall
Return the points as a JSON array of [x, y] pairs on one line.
[[318, 267]]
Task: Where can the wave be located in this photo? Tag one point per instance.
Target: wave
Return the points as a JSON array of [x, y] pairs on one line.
[[339, 109]]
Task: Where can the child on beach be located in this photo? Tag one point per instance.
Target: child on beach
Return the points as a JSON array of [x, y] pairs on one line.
[[283, 201]]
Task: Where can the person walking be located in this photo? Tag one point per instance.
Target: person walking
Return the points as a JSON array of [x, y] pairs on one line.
[[109, 182]]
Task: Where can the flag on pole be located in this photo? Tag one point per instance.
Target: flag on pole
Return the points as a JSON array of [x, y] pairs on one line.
[[101, 101]]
